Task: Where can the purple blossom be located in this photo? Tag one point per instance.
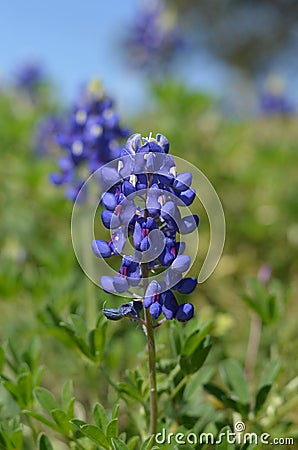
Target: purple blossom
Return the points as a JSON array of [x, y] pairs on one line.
[[90, 137], [154, 38], [152, 229]]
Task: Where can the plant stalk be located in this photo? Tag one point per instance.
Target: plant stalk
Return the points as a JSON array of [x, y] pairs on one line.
[[151, 361]]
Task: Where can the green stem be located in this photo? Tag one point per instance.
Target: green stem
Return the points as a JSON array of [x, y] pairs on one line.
[[90, 305], [152, 372], [149, 328]]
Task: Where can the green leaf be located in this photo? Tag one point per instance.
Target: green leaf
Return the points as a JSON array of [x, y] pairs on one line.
[[79, 326], [4, 442], [62, 420], [133, 442], [115, 412], [269, 375], [148, 443], [112, 429], [32, 354], [46, 399], [67, 394], [261, 397], [44, 443], [97, 340], [175, 338], [24, 382], [100, 417], [224, 444], [12, 389], [193, 341], [193, 362], [2, 359], [221, 395], [232, 373], [197, 381], [17, 439], [42, 419], [118, 444], [131, 392], [95, 434]]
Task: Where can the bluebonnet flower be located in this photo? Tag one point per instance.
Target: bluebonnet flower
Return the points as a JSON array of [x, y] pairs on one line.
[[29, 76], [89, 139], [146, 171], [45, 135], [273, 99], [154, 38]]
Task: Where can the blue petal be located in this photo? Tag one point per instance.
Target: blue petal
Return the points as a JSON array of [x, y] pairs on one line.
[[188, 224], [101, 249], [120, 284], [137, 236], [186, 286], [155, 310], [109, 201], [181, 263], [106, 217], [169, 305], [163, 142], [170, 211], [110, 175], [127, 188], [187, 197], [182, 181], [145, 244], [134, 142], [107, 283], [185, 312]]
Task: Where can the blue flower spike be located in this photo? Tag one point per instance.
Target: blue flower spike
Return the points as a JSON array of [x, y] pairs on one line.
[[145, 169], [89, 137]]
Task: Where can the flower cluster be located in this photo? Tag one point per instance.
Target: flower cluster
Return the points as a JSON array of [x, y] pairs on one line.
[[273, 99], [47, 129], [89, 139], [146, 172], [154, 37], [29, 76]]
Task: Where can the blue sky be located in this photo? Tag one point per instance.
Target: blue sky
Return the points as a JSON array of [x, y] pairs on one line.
[[75, 40], [78, 41]]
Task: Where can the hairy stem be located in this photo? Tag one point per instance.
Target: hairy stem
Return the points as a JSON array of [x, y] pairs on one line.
[[151, 361], [152, 372], [253, 346]]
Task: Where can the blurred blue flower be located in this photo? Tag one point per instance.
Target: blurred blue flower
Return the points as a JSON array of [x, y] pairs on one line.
[[154, 38], [89, 138], [146, 169], [273, 100], [29, 76]]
